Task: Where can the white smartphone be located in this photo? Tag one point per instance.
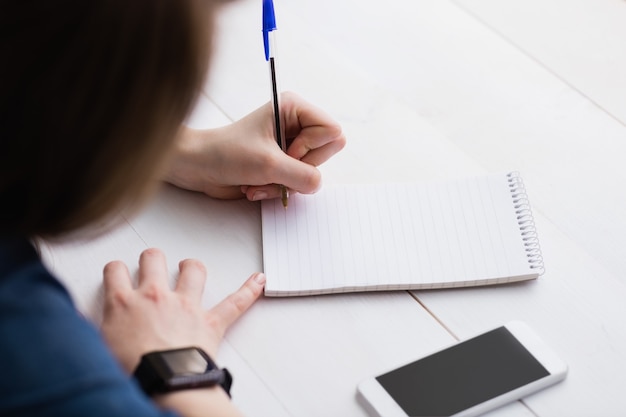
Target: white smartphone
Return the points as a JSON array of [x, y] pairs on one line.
[[467, 379]]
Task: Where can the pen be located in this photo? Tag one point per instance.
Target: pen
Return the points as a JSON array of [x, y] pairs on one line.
[[269, 26]]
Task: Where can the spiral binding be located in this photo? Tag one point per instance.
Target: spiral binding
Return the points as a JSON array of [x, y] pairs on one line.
[[525, 221]]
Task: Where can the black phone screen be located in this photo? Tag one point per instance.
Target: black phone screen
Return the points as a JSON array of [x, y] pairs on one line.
[[463, 375]]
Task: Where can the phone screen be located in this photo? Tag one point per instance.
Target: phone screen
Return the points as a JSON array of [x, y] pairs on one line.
[[463, 375]]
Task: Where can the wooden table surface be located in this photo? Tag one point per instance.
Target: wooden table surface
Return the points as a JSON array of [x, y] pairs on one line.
[[423, 89]]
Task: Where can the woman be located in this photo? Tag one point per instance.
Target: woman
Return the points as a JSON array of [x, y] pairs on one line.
[[93, 95]]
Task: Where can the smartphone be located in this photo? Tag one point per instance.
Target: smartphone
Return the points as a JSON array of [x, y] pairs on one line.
[[468, 378]]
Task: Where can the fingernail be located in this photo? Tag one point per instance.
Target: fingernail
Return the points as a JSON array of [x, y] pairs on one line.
[[259, 195], [260, 278]]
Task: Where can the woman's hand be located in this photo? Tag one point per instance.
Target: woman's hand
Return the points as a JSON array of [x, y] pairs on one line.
[[155, 317], [243, 159]]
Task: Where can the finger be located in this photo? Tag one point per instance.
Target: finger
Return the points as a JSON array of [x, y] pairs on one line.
[[153, 268], [191, 280], [223, 192], [312, 137], [263, 192], [311, 127], [299, 114], [317, 156], [116, 280], [298, 180], [297, 175], [232, 307]]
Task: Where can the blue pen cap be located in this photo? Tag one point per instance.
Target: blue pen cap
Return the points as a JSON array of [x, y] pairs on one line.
[[269, 24]]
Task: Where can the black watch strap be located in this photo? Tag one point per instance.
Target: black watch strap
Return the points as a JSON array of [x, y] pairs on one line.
[[227, 381]]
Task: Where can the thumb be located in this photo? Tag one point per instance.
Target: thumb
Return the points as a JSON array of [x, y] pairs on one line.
[[297, 175]]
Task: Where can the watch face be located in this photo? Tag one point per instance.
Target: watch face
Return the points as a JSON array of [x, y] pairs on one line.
[[186, 362]]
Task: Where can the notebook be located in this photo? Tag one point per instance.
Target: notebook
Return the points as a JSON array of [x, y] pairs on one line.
[[401, 236]]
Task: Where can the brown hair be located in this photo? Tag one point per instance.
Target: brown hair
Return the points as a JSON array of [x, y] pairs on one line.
[[92, 95]]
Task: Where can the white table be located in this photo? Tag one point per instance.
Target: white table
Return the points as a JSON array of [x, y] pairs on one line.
[[424, 89]]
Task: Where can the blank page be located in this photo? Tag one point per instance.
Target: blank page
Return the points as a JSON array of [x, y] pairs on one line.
[[373, 237]]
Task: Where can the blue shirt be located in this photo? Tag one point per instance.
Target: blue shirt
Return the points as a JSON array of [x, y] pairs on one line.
[[52, 361]]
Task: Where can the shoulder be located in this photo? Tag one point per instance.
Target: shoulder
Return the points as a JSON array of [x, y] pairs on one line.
[[57, 360], [25, 283]]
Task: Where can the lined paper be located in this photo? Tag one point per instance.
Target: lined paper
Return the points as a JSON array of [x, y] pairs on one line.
[[373, 237]]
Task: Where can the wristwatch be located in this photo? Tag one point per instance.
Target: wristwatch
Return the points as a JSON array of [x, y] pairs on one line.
[[178, 369]]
